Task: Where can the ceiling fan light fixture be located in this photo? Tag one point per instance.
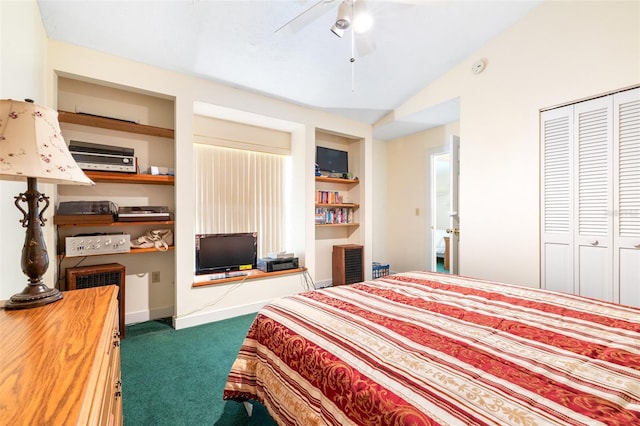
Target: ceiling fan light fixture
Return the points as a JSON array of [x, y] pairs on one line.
[[343, 20], [337, 31], [362, 19], [362, 23]]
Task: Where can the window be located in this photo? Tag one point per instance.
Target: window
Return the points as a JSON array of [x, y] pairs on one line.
[[242, 191]]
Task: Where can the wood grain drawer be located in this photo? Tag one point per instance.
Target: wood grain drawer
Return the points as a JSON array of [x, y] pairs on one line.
[[61, 362], [108, 393], [112, 392]]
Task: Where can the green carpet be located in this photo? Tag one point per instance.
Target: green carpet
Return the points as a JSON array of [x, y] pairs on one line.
[[176, 377]]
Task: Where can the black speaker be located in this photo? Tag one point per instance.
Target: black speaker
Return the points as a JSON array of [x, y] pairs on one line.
[[97, 276], [348, 266]]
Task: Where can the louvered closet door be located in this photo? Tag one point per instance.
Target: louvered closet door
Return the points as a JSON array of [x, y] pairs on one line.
[[557, 199], [594, 198], [627, 196]]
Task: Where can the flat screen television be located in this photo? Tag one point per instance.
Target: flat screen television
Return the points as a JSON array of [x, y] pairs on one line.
[[216, 253], [332, 160]]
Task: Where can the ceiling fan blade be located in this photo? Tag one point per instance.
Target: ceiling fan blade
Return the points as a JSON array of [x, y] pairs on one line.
[[362, 28], [365, 44], [307, 16]]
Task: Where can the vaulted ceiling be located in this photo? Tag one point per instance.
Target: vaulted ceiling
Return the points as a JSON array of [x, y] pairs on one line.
[[238, 43]]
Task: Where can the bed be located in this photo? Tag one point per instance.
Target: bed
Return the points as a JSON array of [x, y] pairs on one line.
[[438, 237], [424, 348]]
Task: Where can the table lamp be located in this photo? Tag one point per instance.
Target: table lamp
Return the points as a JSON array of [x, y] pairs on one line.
[[32, 148]]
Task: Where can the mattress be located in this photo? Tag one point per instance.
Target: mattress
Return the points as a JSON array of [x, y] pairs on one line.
[[425, 348]]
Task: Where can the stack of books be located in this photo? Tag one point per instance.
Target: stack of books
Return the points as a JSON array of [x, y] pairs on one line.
[[328, 197], [333, 216]]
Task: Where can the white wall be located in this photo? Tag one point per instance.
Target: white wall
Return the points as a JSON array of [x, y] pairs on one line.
[[30, 66], [379, 203], [562, 51], [203, 304], [407, 182], [23, 45]]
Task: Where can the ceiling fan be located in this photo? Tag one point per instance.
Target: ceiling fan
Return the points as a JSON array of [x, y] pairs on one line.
[[351, 15]]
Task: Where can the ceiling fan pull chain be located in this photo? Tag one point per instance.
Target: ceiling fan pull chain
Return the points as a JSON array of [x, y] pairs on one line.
[[353, 57], [353, 74]]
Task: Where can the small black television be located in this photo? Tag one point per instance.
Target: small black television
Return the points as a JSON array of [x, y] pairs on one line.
[[332, 160], [216, 253]]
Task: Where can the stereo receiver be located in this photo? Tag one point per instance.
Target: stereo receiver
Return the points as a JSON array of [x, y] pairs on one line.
[[93, 244], [93, 156], [273, 265]]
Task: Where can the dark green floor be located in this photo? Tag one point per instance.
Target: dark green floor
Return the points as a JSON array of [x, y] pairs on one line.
[[176, 377]]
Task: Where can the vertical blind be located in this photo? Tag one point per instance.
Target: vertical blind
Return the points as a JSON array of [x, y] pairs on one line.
[[241, 191]]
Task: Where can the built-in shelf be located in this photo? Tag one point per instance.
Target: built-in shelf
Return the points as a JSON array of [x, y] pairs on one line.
[[352, 206], [336, 180], [120, 177], [114, 124], [148, 250], [88, 225], [115, 177], [253, 274], [342, 205]]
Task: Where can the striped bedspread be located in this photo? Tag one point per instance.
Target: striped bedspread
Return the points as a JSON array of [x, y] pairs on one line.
[[423, 349]]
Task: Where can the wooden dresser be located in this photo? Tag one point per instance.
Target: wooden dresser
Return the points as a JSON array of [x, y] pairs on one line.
[[60, 363]]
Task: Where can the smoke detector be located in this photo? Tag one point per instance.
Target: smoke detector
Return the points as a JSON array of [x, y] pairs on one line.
[[478, 66]]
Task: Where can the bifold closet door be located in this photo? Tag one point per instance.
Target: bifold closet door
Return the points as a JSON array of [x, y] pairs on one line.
[[590, 198], [593, 188], [556, 131], [627, 196]]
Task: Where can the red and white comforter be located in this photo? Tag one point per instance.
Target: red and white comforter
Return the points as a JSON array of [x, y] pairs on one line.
[[422, 349]]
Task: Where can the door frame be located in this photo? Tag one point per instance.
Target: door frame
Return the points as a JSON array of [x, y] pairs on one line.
[[430, 256]]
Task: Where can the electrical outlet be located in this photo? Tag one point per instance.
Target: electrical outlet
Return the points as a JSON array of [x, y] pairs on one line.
[[155, 277]]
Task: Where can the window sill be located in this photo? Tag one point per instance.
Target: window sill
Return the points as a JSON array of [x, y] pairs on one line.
[[253, 274]]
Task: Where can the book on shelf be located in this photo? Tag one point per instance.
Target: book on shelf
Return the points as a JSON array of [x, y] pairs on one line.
[[329, 197], [334, 215]]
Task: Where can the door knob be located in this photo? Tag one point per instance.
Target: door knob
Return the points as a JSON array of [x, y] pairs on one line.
[[455, 231]]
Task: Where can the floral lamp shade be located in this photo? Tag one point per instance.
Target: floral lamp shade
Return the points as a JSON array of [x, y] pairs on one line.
[[31, 145]]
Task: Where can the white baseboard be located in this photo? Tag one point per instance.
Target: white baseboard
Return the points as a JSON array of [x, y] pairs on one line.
[[142, 316], [212, 316]]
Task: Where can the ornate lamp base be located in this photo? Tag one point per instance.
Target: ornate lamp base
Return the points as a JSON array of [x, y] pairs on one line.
[[33, 296], [35, 259]]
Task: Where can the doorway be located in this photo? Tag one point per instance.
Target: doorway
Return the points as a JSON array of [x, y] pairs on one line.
[[443, 227]]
